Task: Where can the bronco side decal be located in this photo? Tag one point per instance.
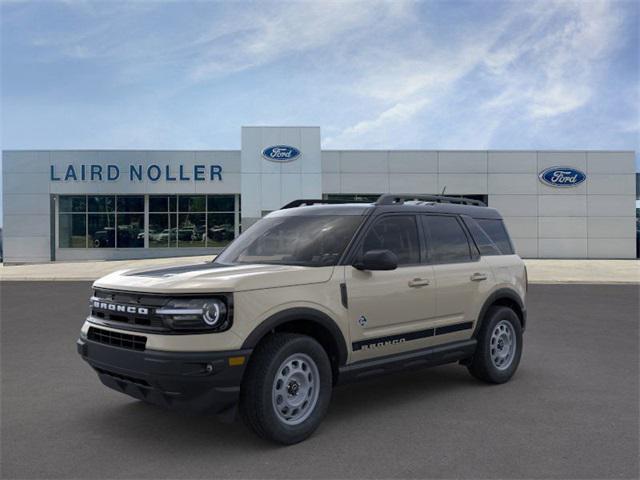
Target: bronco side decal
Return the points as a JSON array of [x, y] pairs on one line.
[[374, 343]]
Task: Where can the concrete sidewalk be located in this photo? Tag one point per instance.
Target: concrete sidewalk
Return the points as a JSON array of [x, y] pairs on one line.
[[540, 271]]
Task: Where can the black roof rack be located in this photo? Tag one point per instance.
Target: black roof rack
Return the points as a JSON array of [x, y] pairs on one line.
[[311, 201], [393, 199], [388, 199]]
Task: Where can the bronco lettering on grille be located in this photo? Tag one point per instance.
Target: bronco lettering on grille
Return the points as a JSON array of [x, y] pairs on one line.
[[114, 307]]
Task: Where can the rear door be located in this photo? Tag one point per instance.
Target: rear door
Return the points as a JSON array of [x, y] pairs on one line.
[[462, 277], [390, 310]]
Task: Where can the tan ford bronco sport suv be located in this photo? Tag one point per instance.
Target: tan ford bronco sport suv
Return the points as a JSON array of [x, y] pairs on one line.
[[313, 295]]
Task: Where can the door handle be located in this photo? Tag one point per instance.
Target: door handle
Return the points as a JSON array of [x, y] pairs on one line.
[[478, 277], [419, 282]]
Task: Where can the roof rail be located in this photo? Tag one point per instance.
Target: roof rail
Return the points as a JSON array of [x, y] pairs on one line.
[[391, 199], [311, 201]]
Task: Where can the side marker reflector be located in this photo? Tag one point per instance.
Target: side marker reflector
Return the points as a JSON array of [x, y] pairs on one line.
[[236, 361]]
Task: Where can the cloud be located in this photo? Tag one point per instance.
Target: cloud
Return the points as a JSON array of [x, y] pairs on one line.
[[539, 60]]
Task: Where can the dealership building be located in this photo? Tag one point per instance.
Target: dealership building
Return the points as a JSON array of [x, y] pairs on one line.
[[64, 205]]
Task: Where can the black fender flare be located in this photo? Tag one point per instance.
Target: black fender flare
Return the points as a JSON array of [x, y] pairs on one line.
[[299, 313], [501, 293]]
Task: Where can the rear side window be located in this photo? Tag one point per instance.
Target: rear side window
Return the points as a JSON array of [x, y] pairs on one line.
[[496, 231], [398, 233], [447, 241], [483, 242]]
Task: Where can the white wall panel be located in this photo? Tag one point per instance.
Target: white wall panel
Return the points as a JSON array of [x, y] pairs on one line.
[[612, 205], [562, 205], [522, 227], [513, 162], [526, 247], [229, 160], [270, 191], [32, 161], [612, 248], [24, 249], [513, 183], [365, 183], [356, 161], [562, 159], [515, 205], [462, 183], [408, 161], [25, 204], [311, 185], [612, 227], [562, 227], [26, 225], [330, 162], [603, 184], [611, 162], [462, 162], [25, 183], [562, 247], [290, 188], [330, 183], [413, 183]]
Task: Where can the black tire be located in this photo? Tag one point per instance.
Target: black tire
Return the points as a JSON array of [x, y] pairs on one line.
[[482, 366], [256, 397]]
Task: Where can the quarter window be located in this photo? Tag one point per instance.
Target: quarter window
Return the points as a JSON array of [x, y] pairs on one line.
[[496, 231], [448, 242], [397, 233]]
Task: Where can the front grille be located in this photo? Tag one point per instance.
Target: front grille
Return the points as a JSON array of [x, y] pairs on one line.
[[117, 339], [128, 310]]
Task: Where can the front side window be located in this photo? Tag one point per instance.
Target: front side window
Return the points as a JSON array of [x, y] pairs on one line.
[[447, 241], [313, 241], [397, 233]]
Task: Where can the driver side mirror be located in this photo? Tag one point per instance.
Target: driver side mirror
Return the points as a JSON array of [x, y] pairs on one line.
[[377, 260]]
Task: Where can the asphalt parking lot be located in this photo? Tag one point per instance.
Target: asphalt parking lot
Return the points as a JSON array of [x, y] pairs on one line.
[[570, 412]]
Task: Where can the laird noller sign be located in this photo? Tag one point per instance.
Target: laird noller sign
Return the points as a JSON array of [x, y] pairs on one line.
[[135, 173]]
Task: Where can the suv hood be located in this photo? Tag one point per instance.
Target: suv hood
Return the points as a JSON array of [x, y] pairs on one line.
[[210, 277]]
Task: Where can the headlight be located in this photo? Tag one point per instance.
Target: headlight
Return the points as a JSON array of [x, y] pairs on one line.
[[196, 314]]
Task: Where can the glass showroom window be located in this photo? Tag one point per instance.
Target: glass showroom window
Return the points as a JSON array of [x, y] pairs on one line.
[[162, 221], [192, 221], [130, 221], [101, 221], [72, 222]]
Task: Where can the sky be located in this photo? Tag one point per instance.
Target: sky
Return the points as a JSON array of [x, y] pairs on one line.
[[373, 74]]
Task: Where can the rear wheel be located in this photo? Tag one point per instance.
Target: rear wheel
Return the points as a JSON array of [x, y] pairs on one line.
[[287, 388], [499, 346]]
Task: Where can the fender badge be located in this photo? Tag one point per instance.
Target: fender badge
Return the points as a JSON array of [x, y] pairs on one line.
[[362, 321]]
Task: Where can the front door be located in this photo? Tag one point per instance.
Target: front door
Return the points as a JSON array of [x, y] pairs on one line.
[[389, 308]]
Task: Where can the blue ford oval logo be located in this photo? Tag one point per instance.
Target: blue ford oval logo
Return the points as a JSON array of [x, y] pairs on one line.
[[562, 177], [281, 153]]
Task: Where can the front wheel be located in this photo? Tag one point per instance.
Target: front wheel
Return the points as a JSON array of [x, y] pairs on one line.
[[499, 346], [287, 388]]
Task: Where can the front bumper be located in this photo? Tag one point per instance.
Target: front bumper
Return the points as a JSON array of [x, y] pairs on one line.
[[195, 381]]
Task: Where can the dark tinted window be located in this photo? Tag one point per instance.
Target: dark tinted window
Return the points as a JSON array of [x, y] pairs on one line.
[[447, 240], [398, 234], [496, 231], [69, 203], [131, 204], [102, 203], [485, 245]]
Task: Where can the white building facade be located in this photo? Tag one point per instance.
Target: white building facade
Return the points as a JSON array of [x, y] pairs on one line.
[[112, 204]]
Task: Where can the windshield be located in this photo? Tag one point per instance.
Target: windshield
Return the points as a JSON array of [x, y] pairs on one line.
[[312, 241]]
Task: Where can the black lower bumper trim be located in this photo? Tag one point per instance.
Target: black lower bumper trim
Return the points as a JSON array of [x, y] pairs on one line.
[[195, 381]]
